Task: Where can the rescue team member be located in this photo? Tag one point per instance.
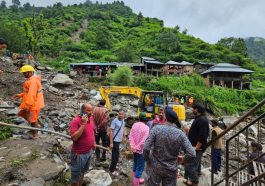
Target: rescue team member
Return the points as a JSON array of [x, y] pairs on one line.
[[32, 98], [82, 134], [138, 134], [161, 150]]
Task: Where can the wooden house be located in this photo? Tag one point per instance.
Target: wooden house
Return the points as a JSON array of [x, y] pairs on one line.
[[179, 68], [152, 66], [93, 69], [228, 75], [200, 67]]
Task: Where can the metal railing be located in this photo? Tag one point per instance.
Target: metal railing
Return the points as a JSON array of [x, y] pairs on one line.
[[237, 139]]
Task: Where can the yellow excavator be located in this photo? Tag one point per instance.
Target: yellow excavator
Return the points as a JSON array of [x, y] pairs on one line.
[[149, 101]]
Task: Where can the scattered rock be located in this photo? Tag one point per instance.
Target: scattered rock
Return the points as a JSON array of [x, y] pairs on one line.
[[48, 68], [62, 126], [54, 113], [13, 184], [62, 79], [93, 92], [98, 178], [12, 112], [69, 94], [27, 154], [116, 108], [73, 73], [19, 120], [135, 103], [57, 159], [40, 68], [53, 90], [34, 182]]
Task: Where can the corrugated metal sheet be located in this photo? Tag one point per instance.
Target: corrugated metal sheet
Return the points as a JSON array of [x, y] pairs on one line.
[[154, 62], [183, 63], [227, 67]]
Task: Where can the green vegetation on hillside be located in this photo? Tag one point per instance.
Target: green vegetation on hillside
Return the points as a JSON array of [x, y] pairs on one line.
[[113, 32], [108, 32], [219, 100], [256, 49]]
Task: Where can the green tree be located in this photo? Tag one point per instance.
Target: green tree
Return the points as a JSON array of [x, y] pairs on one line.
[[15, 5], [34, 28], [176, 29], [103, 38], [58, 5], [88, 3], [3, 5], [56, 46], [185, 31], [122, 76], [27, 6], [237, 45], [126, 53], [140, 18], [168, 42], [14, 36]]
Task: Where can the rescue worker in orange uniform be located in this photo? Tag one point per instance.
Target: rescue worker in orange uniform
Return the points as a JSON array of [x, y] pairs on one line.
[[32, 98]]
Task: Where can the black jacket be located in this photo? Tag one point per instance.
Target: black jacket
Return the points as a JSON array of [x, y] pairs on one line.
[[199, 131]]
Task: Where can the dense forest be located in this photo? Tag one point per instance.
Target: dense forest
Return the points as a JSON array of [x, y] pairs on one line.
[[59, 35]]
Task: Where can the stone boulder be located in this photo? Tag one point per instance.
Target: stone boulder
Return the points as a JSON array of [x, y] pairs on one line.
[[98, 178], [93, 92], [135, 103], [62, 79], [34, 182], [116, 107]]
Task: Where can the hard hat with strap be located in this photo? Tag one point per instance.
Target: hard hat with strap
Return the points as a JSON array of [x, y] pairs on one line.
[[26, 68]]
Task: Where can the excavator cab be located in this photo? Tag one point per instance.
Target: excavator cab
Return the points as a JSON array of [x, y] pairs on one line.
[[151, 101]]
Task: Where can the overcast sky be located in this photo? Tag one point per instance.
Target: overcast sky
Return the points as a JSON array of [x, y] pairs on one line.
[[209, 20]]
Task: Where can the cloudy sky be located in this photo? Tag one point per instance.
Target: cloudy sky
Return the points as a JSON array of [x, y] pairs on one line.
[[209, 20]]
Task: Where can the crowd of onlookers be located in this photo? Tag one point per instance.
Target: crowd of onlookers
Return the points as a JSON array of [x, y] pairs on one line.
[[158, 145], [155, 144]]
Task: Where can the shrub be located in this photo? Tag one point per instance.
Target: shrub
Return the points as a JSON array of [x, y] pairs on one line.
[[123, 76]]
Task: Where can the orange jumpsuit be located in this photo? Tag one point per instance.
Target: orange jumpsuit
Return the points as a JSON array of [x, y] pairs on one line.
[[32, 99]]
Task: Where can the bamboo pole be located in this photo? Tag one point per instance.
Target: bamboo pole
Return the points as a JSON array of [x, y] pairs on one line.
[[48, 131]]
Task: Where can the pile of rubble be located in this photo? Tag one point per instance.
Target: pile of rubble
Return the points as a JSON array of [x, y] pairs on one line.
[[63, 97], [128, 103]]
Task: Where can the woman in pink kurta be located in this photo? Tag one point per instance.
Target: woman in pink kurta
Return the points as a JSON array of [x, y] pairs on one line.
[[138, 134]]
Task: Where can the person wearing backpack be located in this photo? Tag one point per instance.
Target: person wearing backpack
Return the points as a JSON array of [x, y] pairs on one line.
[[116, 136]]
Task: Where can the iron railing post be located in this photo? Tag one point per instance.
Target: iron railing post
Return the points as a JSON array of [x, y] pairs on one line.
[[227, 164]]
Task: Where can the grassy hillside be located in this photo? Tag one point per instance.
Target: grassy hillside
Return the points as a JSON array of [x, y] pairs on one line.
[[109, 32], [256, 49], [113, 32]]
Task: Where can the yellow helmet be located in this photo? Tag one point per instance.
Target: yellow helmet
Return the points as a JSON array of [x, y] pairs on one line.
[[27, 68]]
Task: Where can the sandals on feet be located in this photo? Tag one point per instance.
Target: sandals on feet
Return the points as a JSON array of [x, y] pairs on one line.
[[115, 173], [187, 182]]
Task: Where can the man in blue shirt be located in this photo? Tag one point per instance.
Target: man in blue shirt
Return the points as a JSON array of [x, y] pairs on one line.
[[116, 136]]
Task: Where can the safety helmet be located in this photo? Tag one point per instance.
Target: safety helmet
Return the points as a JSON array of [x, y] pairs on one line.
[[27, 68]]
